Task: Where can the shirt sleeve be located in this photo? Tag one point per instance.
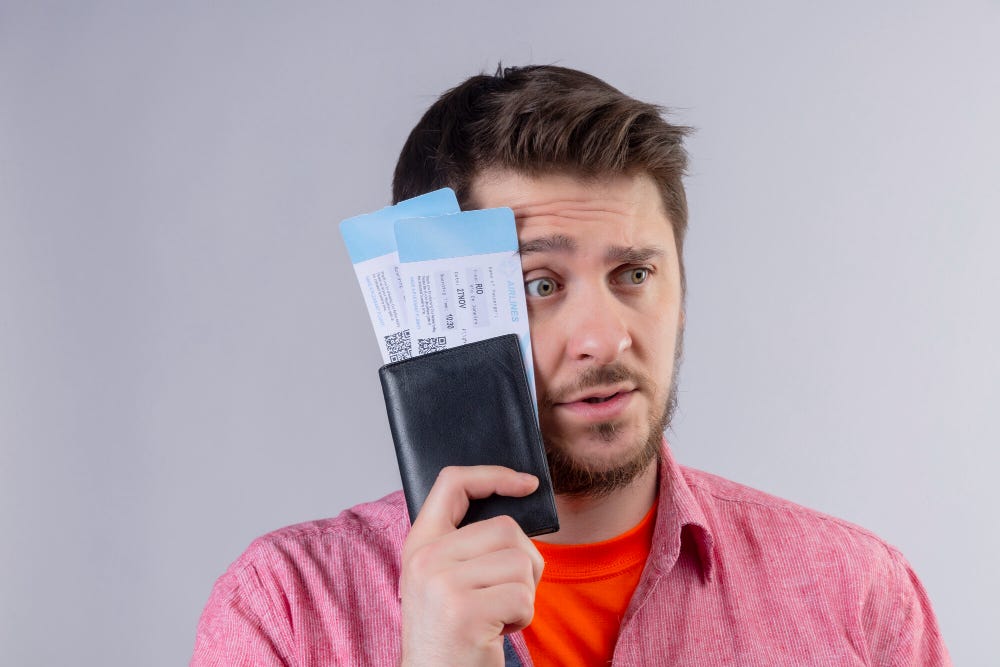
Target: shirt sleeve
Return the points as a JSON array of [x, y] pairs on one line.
[[239, 626], [903, 630]]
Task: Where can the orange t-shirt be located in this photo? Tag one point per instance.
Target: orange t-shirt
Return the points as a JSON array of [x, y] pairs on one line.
[[583, 594]]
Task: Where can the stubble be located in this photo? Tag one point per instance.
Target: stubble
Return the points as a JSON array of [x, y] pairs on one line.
[[572, 476]]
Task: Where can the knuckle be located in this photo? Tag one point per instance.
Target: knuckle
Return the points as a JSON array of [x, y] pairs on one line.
[[448, 474], [507, 527], [526, 567], [439, 588], [523, 597], [423, 560]]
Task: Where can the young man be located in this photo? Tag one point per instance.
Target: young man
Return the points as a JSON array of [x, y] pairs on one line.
[[654, 564]]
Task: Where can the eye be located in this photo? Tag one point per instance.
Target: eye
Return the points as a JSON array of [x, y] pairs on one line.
[[540, 287], [635, 276]]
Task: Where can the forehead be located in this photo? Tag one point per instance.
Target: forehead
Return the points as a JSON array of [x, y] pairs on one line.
[[624, 209]]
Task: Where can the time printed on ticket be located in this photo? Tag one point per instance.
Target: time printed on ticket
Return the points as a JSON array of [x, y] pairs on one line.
[[462, 280]]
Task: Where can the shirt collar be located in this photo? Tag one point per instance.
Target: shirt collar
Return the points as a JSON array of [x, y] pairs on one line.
[[679, 518]]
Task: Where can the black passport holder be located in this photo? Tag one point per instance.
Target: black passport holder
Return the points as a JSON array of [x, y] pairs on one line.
[[469, 405]]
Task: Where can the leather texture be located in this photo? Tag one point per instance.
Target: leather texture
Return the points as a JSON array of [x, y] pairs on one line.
[[469, 405]]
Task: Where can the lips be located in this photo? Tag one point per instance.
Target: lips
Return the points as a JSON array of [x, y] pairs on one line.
[[599, 406], [596, 393]]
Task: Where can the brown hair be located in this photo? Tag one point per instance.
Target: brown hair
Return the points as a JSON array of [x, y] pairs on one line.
[[542, 119]]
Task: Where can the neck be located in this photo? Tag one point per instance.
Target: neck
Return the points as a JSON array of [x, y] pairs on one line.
[[583, 520]]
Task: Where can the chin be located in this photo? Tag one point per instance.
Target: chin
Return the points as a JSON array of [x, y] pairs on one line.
[[601, 459]]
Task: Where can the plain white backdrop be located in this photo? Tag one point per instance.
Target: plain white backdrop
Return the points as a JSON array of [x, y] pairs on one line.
[[186, 362]]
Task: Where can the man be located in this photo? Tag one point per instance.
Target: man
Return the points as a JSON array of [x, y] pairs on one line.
[[654, 563]]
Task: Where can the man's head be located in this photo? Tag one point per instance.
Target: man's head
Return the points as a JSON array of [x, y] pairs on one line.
[[594, 178], [541, 120]]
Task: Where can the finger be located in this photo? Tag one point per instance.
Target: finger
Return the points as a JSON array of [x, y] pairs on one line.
[[508, 566], [496, 534], [512, 605], [448, 500]]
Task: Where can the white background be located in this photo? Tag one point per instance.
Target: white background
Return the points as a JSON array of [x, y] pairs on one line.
[[185, 358]]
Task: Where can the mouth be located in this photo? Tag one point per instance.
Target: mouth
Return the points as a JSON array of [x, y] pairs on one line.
[[601, 399], [603, 405], [596, 395]]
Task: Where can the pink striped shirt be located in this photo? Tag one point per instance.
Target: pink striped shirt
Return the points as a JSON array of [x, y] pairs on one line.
[[734, 577]]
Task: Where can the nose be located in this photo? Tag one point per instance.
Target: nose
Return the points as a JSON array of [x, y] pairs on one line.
[[596, 328]]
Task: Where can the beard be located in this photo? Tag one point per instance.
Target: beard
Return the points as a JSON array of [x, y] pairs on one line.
[[572, 476]]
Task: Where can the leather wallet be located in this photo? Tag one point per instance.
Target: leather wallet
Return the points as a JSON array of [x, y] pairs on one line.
[[469, 405]]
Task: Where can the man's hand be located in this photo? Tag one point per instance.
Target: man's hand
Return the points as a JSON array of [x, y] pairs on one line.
[[463, 589]]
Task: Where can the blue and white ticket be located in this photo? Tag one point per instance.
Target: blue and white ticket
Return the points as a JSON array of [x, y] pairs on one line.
[[371, 243], [463, 281]]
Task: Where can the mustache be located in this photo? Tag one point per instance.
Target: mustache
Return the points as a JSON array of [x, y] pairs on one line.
[[596, 376]]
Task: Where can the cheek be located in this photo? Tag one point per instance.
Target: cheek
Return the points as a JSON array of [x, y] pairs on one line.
[[659, 341], [543, 350]]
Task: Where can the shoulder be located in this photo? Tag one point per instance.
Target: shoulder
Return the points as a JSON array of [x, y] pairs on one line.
[[750, 520], [328, 560], [302, 594], [849, 573], [820, 571], [368, 536], [381, 519], [377, 525]]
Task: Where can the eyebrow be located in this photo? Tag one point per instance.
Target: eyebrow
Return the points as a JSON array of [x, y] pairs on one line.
[[556, 242], [633, 255], [564, 244]]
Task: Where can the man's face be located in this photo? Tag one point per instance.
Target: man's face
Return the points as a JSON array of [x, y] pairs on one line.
[[603, 286]]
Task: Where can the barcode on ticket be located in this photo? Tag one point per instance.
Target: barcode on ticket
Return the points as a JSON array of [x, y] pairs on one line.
[[425, 345], [397, 345]]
